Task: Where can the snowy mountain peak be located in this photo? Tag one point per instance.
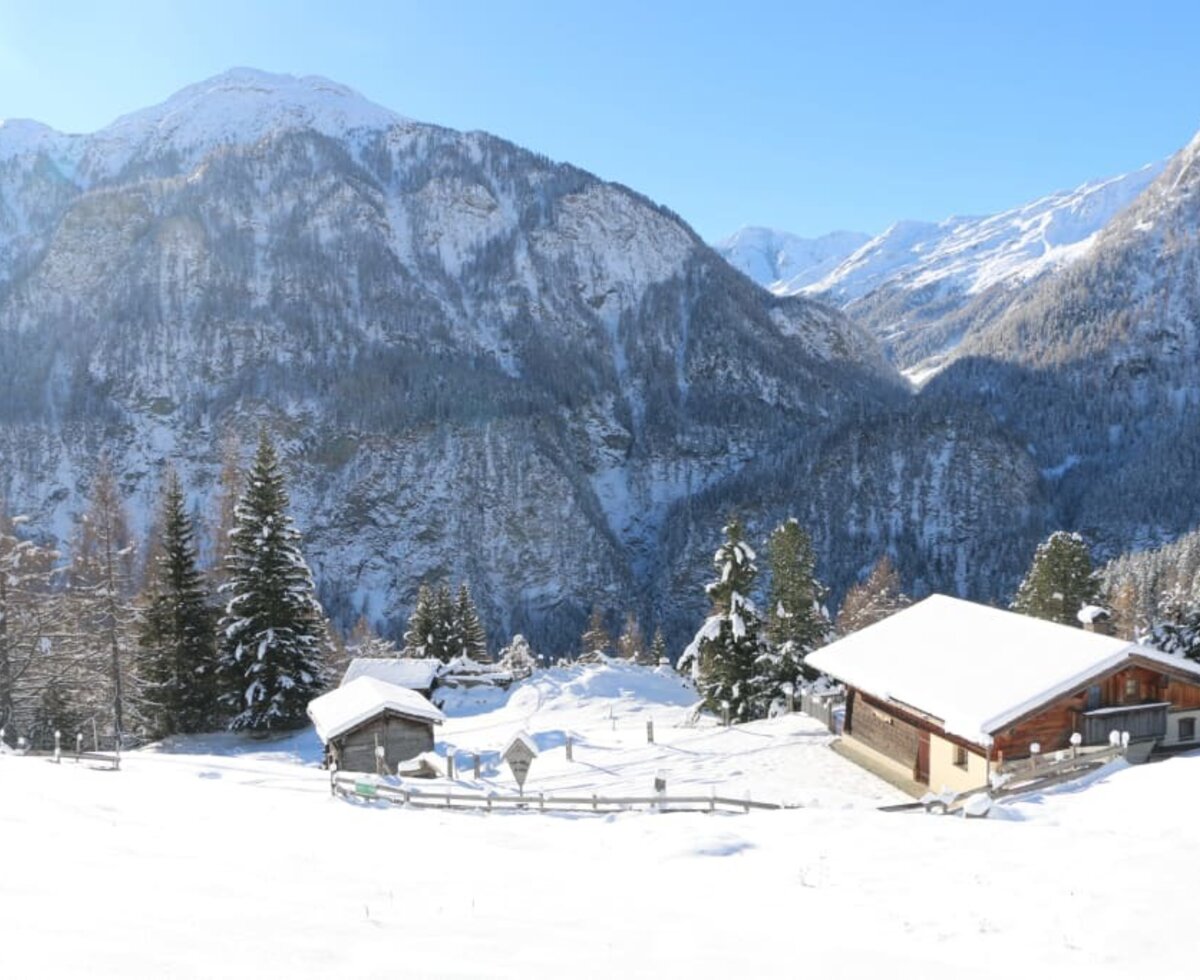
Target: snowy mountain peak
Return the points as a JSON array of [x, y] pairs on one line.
[[242, 105], [25, 137], [786, 263]]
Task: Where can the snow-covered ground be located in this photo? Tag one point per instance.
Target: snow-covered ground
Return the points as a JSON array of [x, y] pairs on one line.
[[221, 857]]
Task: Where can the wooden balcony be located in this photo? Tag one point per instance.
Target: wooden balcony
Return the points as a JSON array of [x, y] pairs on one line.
[[1141, 721]]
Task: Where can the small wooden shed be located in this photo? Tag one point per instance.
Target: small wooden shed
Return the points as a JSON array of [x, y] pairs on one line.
[[354, 719]]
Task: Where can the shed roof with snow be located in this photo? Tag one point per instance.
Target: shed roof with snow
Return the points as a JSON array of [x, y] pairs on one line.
[[417, 673], [973, 667], [357, 701]]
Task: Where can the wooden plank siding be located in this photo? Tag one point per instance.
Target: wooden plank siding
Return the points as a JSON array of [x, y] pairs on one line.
[[1052, 725], [402, 738], [895, 730]]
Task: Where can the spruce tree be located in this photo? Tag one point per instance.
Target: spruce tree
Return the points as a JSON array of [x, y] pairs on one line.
[[419, 638], [797, 622], [273, 634], [725, 657], [178, 637], [1060, 581], [472, 638], [658, 649], [447, 644]]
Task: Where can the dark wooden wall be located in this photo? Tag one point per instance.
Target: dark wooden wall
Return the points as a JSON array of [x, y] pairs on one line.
[[402, 738], [877, 727]]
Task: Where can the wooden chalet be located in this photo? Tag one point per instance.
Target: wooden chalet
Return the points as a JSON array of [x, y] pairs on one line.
[[366, 714], [941, 691]]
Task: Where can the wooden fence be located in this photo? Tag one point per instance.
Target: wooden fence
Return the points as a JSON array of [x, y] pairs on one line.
[[823, 707], [365, 787]]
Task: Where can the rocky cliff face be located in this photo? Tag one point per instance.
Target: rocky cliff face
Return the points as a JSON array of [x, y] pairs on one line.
[[480, 364]]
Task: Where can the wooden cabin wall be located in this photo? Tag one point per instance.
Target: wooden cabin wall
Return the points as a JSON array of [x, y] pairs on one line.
[[402, 738], [1053, 726]]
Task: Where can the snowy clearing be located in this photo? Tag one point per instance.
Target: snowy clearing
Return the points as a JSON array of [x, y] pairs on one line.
[[232, 859]]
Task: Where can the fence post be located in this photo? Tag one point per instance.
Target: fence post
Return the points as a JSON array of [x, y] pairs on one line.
[[475, 760], [78, 745], [712, 798], [541, 799], [595, 803], [58, 746], [747, 801], [450, 764], [650, 731], [570, 748]]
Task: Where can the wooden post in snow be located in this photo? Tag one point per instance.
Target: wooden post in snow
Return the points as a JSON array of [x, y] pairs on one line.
[[650, 731]]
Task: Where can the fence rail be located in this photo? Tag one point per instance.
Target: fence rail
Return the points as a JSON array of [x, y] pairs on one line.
[[823, 708], [364, 787]]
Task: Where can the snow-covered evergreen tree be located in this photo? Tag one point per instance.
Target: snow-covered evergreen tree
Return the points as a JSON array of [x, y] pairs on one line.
[[518, 658], [1177, 628], [797, 622], [658, 649], [595, 644], [872, 600], [434, 629], [177, 639], [273, 633], [725, 657], [471, 638], [1060, 581]]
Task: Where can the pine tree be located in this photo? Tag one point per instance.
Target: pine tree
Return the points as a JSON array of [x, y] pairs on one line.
[[446, 644], [178, 635], [1177, 626], [873, 600], [419, 638], [658, 649], [725, 657], [472, 638], [1060, 581], [631, 645], [273, 634], [797, 622], [595, 643]]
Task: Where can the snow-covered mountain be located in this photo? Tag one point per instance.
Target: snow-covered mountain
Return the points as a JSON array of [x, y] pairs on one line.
[[483, 365], [1097, 369], [787, 263], [912, 284]]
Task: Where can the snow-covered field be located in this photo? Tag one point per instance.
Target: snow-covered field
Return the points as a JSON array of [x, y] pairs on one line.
[[220, 857]]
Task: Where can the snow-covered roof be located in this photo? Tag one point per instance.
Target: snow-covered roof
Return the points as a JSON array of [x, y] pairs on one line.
[[975, 668], [417, 673], [361, 699]]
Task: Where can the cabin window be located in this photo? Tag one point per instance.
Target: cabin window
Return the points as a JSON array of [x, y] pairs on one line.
[[1131, 687], [1093, 697], [960, 757], [1187, 729]]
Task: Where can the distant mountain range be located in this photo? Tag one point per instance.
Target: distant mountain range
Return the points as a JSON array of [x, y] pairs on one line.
[[909, 284], [485, 366]]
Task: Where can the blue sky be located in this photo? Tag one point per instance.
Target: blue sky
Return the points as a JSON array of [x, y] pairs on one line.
[[805, 117]]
